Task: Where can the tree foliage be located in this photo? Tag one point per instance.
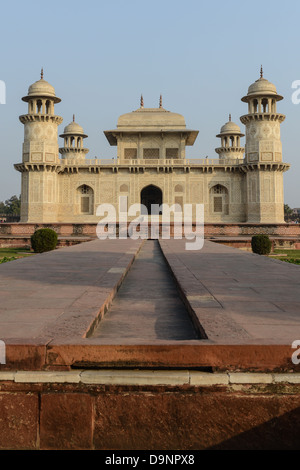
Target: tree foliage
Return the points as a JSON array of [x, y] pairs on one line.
[[11, 206]]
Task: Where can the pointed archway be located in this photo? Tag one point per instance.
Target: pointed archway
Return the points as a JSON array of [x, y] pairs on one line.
[[151, 195]]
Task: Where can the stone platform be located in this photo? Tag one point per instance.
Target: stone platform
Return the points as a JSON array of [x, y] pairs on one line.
[[81, 359], [245, 308]]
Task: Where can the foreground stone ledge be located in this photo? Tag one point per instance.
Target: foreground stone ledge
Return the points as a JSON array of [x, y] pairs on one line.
[[128, 377], [190, 355], [65, 353], [44, 377], [205, 378], [289, 378], [247, 378], [147, 377], [148, 410]]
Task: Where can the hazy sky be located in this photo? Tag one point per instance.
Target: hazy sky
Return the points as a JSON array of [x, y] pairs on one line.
[[101, 55]]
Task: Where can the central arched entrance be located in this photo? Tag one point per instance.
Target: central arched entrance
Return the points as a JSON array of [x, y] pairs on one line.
[[151, 195]]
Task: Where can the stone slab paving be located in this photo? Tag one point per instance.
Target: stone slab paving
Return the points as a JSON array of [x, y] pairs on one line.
[[61, 292], [238, 295], [53, 309], [147, 306]]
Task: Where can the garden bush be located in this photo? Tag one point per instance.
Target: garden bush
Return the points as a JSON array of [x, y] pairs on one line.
[[261, 244], [44, 239]]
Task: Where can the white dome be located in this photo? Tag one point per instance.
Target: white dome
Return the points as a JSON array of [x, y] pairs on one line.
[[262, 87], [73, 129], [151, 117], [230, 128], [41, 89]]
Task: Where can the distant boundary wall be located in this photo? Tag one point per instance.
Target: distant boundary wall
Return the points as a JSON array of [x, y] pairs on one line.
[[210, 230], [284, 236]]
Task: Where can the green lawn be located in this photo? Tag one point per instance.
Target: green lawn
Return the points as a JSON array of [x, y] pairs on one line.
[[10, 254], [292, 256]]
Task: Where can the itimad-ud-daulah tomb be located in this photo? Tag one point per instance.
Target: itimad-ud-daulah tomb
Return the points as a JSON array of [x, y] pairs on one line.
[[135, 343], [60, 184]]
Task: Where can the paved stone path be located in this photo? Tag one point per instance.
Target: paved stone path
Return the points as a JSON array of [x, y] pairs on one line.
[[238, 295], [147, 306], [59, 293]]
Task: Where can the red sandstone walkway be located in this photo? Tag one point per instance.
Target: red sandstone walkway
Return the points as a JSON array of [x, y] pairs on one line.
[[60, 293], [238, 295], [247, 306], [147, 306]]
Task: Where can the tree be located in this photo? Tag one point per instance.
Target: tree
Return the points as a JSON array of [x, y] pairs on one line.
[[288, 212], [11, 206], [2, 208]]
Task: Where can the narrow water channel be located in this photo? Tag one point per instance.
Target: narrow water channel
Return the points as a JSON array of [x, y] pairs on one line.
[[147, 306]]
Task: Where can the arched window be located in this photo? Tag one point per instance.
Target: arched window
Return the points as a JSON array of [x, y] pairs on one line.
[[219, 200], [178, 188], [48, 107], [265, 105], [85, 199], [124, 188], [255, 106], [38, 106]]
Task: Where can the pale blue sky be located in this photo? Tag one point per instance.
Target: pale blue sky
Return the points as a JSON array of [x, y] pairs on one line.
[[101, 55]]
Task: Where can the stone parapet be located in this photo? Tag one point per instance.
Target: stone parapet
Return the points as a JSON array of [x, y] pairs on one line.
[[148, 410], [210, 229]]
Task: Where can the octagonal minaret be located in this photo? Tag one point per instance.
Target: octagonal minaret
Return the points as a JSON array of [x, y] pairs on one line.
[[73, 136], [40, 123], [40, 160], [230, 135], [262, 122], [263, 153]]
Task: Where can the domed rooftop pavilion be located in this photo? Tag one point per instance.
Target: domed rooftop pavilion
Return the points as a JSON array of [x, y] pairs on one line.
[[230, 128], [262, 87], [151, 120], [73, 129], [41, 89]]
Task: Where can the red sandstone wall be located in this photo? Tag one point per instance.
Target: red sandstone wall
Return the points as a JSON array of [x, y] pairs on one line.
[[232, 230], [52, 416]]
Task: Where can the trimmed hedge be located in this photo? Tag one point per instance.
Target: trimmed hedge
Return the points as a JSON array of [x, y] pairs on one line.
[[261, 244], [44, 239]]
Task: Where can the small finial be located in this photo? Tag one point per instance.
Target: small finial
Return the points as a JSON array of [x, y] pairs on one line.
[[261, 72], [142, 101], [229, 117], [73, 117], [42, 73], [160, 101]]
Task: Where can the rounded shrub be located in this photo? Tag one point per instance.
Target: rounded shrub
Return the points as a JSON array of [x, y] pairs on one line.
[[261, 244], [43, 239]]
